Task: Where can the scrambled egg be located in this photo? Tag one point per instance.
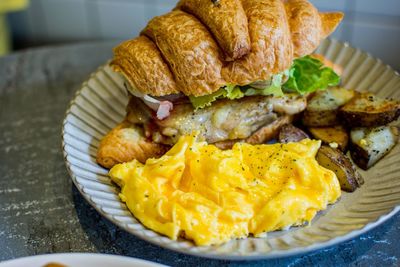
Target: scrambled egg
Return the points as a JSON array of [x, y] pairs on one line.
[[211, 196]]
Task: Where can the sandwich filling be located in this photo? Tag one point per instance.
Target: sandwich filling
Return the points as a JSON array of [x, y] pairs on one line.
[[306, 75], [233, 113], [224, 120]]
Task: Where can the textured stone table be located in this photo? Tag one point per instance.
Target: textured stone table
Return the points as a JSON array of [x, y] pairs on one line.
[[42, 212]]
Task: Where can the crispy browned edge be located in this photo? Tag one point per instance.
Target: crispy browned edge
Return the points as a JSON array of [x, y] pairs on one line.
[[333, 134], [290, 133], [353, 179], [371, 116], [118, 146], [361, 157], [320, 118]]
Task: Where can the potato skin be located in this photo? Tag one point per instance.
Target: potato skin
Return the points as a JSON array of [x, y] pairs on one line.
[[323, 106], [336, 134], [334, 160], [290, 133], [320, 118], [365, 119], [368, 110], [370, 149], [360, 156]]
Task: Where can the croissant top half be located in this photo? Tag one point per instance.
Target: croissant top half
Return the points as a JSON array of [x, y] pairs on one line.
[[203, 45]]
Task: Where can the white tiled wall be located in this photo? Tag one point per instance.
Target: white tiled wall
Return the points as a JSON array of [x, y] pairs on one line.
[[122, 19], [65, 19], [373, 25]]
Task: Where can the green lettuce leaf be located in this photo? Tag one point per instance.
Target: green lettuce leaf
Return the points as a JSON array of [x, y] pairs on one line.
[[308, 75], [233, 92], [275, 87], [229, 91]]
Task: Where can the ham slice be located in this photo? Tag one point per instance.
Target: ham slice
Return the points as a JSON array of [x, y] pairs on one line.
[[162, 108]]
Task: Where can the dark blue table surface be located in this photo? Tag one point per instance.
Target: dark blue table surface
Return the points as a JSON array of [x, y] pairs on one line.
[[42, 212]]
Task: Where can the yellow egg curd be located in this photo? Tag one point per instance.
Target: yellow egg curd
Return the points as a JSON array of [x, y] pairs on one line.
[[210, 195]]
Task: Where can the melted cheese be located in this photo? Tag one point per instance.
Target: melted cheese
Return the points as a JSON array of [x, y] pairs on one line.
[[211, 196]]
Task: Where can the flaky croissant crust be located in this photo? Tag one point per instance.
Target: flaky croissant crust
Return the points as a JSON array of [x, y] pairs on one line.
[[203, 45]]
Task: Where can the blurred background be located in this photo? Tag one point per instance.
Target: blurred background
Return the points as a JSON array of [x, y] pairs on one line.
[[372, 25]]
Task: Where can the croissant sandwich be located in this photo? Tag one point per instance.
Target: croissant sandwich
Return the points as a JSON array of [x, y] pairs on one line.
[[231, 70]]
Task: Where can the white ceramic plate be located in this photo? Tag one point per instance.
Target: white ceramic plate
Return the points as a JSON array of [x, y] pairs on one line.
[[100, 104], [79, 260]]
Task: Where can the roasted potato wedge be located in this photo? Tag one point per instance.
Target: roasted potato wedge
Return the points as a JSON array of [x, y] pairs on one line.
[[333, 136], [323, 107], [290, 133], [368, 110], [369, 145], [334, 160]]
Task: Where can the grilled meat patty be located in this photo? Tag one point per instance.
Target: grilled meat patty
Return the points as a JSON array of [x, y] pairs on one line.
[[224, 120]]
